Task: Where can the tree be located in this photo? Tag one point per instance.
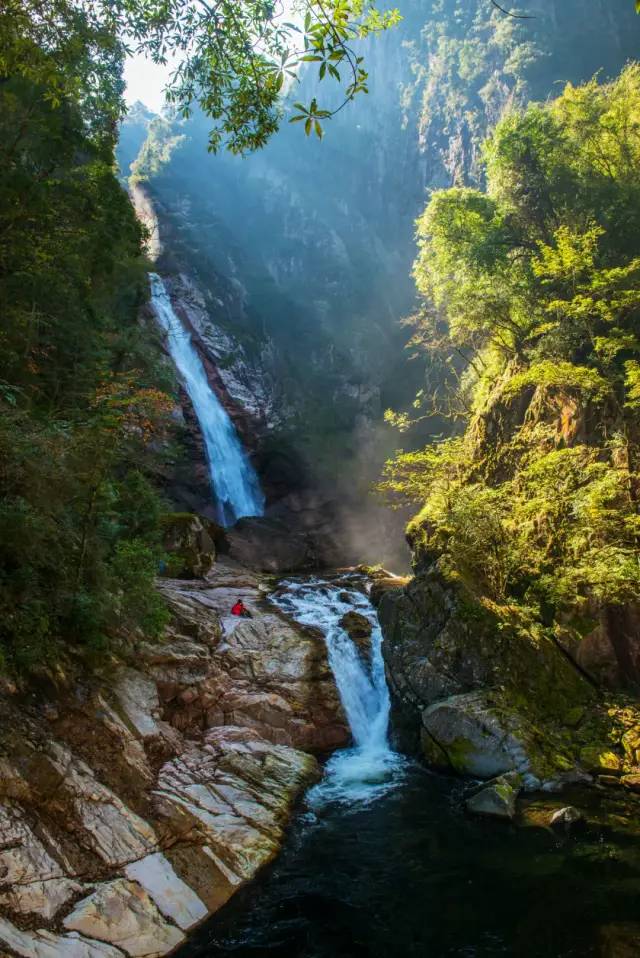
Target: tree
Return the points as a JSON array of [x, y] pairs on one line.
[[532, 298], [234, 57]]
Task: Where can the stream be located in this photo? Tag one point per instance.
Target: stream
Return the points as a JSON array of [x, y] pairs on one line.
[[382, 862]]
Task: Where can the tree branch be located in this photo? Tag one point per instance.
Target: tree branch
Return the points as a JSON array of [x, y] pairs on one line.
[[509, 13]]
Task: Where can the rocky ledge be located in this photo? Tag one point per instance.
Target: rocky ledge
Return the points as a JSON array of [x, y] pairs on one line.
[[480, 690], [135, 802]]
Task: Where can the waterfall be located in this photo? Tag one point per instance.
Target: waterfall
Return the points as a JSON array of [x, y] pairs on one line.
[[235, 484], [370, 767]]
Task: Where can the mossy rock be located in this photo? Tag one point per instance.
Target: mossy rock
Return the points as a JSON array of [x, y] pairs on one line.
[[600, 761], [631, 745], [190, 546]]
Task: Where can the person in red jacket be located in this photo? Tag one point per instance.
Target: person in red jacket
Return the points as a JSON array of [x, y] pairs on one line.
[[240, 609]]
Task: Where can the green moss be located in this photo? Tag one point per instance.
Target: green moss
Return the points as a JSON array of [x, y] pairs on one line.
[[459, 752]]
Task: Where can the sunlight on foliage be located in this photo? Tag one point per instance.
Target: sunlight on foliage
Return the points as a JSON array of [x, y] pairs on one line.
[[532, 307]]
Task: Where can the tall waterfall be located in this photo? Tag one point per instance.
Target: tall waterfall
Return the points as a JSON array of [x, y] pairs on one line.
[[370, 767], [233, 478]]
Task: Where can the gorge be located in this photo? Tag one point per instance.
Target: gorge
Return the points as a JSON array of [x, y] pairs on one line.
[[207, 363]]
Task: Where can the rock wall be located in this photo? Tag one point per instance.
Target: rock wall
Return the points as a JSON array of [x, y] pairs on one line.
[[134, 802], [481, 694]]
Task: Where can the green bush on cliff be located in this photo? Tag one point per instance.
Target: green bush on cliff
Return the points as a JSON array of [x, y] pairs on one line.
[[533, 292]]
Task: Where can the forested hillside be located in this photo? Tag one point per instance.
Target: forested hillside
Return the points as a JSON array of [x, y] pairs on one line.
[[80, 377], [525, 607], [532, 293]]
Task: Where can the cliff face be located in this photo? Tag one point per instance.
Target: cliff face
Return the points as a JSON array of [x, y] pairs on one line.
[[483, 687], [301, 254], [522, 621], [135, 802]]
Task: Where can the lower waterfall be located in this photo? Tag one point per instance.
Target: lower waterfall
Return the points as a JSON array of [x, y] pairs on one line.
[[370, 767], [233, 478]]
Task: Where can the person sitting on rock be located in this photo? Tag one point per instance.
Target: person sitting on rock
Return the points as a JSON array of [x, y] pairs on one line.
[[240, 609]]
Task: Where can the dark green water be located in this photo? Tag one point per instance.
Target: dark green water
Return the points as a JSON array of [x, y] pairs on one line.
[[411, 876]]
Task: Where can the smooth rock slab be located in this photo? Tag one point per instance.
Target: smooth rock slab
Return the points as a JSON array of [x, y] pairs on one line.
[[172, 896], [121, 913], [31, 881], [43, 944], [138, 698]]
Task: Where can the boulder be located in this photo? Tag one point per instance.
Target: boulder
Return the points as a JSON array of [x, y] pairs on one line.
[[190, 545], [631, 745], [359, 629], [465, 734], [567, 817], [477, 687], [496, 799], [600, 760], [631, 781], [383, 584], [269, 545]]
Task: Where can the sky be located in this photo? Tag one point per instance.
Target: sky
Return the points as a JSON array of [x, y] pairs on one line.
[[145, 81]]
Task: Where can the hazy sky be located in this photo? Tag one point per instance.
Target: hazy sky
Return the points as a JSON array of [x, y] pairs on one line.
[[145, 81]]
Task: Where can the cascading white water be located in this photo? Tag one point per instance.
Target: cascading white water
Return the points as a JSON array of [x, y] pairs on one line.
[[233, 478], [370, 767]]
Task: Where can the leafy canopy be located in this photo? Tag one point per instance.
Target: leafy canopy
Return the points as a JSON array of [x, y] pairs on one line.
[[234, 57], [532, 304]]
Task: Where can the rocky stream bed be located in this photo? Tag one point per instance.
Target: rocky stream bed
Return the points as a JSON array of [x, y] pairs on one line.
[[140, 800]]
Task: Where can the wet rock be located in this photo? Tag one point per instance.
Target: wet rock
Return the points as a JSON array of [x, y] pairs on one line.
[[359, 629], [567, 817], [121, 913], [102, 796], [267, 674], [190, 546], [497, 799], [476, 690]]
